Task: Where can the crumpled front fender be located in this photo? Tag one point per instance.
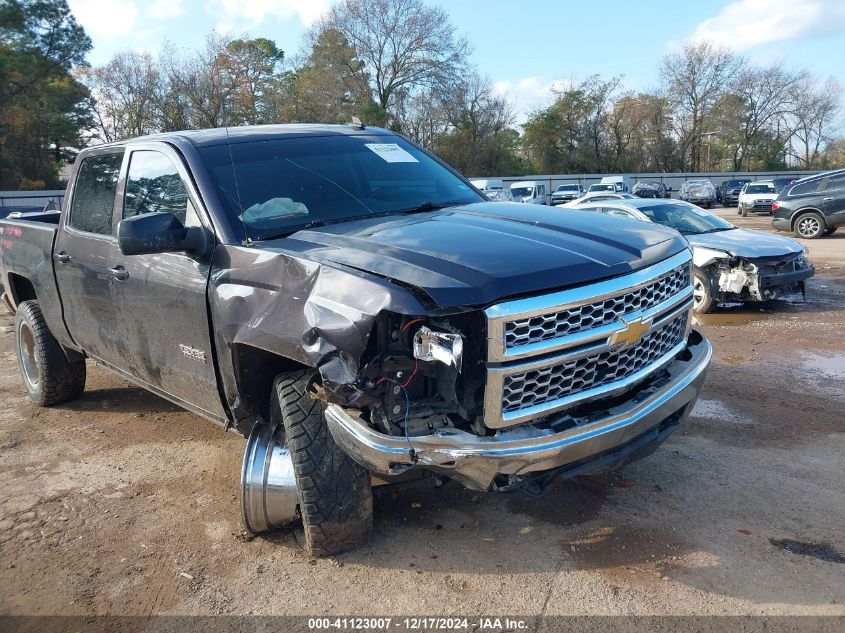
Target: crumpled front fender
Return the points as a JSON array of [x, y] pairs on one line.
[[316, 315]]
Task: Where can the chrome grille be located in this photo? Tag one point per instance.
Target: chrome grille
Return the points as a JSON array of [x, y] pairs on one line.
[[553, 382], [552, 325], [584, 343]]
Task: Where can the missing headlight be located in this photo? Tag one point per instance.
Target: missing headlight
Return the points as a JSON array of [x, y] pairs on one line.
[[446, 347]]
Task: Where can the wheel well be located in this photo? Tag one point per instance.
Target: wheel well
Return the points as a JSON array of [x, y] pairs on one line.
[[21, 288], [255, 371], [798, 214]]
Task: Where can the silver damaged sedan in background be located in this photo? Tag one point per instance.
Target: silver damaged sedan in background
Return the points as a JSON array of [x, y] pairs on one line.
[[731, 264]]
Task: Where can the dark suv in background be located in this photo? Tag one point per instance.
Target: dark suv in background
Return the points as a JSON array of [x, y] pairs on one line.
[[728, 192], [813, 206]]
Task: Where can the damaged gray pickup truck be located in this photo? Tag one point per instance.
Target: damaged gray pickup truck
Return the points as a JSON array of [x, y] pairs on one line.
[[359, 312]]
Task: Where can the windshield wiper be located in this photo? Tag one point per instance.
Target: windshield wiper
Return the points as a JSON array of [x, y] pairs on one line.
[[718, 229], [420, 208]]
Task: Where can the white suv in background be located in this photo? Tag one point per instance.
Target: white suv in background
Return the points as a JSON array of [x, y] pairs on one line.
[[757, 197]]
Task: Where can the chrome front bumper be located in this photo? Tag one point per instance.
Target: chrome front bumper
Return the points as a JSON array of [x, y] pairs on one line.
[[475, 461]]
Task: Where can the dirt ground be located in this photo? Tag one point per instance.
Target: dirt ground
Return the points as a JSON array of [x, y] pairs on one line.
[[121, 503]]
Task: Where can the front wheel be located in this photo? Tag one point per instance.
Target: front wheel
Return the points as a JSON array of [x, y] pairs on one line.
[[830, 230], [702, 292], [335, 497], [51, 373], [743, 211], [809, 226]]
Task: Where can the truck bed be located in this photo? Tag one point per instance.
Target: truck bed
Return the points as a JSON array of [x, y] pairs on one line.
[[26, 255]]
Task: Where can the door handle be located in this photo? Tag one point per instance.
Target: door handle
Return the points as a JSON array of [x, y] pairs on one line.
[[119, 273], [828, 199], [62, 257]]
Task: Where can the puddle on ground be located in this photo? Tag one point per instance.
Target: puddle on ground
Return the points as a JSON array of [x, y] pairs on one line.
[[830, 366], [822, 551], [718, 410]]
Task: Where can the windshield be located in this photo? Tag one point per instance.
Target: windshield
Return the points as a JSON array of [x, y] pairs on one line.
[[760, 189], [567, 188], [522, 192], [685, 219], [284, 184]]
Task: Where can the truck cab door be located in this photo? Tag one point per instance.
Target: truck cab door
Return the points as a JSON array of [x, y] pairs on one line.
[[161, 299], [85, 244]]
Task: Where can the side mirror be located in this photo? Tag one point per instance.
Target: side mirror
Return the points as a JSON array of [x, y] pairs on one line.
[[158, 233]]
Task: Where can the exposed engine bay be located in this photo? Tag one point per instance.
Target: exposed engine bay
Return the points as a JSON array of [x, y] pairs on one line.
[[760, 279], [421, 374]]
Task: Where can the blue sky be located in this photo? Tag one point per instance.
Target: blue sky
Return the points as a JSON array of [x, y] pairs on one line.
[[522, 46]]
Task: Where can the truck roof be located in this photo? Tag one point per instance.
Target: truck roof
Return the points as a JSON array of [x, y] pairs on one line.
[[245, 133]]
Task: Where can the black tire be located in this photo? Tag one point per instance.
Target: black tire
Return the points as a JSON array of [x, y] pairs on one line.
[[703, 295], [51, 373], [809, 225], [743, 212], [738, 210], [335, 497], [829, 230]]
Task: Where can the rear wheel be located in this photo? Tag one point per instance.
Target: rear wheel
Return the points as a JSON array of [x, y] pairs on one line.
[[51, 373], [702, 292], [809, 226], [335, 498]]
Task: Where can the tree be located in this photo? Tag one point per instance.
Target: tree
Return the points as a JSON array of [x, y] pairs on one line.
[[252, 65], [693, 80], [200, 85], [329, 86], [43, 108], [406, 47], [476, 140], [811, 119], [128, 93], [571, 134]]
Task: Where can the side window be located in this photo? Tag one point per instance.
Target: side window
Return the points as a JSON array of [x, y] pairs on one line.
[[806, 187], [835, 183], [93, 195], [153, 185]]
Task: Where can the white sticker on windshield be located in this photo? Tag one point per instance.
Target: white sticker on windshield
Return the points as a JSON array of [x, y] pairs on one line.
[[391, 153]]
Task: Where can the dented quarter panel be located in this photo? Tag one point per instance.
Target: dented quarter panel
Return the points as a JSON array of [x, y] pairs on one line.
[[317, 315]]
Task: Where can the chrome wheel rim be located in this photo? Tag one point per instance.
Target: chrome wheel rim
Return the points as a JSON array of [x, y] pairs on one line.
[[30, 366], [697, 292], [808, 226]]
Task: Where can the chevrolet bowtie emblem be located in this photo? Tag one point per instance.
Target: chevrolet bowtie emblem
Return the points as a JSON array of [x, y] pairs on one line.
[[631, 332]]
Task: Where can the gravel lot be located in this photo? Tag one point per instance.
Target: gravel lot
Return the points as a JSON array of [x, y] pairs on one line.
[[121, 503]]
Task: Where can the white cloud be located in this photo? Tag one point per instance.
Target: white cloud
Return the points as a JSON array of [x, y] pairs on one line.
[[256, 11], [164, 9], [113, 19], [529, 94], [745, 24]]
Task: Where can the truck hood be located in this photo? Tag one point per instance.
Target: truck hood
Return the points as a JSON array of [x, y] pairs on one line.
[[475, 254], [747, 243]]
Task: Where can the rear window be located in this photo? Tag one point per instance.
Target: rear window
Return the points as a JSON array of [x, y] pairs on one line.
[[93, 195], [805, 187]]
